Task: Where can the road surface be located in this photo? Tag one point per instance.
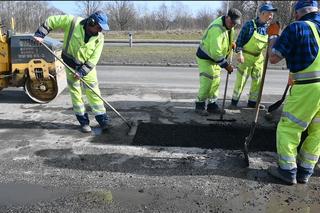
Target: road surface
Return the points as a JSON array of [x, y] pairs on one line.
[[48, 165]]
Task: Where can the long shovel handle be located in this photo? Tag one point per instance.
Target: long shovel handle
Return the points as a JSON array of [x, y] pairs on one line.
[[224, 97], [254, 123], [87, 85], [264, 71], [225, 88]]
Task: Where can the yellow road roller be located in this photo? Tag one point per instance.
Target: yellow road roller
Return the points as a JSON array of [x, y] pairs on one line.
[[26, 63]]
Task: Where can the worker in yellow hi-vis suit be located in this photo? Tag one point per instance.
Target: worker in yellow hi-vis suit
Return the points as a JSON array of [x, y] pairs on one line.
[[251, 43], [299, 44], [212, 54], [82, 47]]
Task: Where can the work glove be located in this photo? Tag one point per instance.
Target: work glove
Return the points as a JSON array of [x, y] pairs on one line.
[[229, 68], [290, 80], [39, 39], [80, 73], [274, 29], [240, 58], [233, 45]]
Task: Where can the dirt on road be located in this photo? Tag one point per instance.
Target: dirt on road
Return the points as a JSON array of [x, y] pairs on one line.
[[48, 165]]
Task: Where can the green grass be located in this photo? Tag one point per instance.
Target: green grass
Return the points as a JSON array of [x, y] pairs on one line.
[[148, 55], [160, 35]]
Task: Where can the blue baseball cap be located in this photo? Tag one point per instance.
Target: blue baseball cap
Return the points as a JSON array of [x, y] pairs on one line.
[[101, 18], [306, 4], [267, 7]]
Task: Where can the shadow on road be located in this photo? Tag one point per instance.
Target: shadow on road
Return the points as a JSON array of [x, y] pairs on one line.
[[14, 97], [231, 166], [21, 124]]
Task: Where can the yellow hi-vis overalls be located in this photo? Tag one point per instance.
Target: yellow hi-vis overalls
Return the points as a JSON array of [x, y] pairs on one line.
[[87, 54], [216, 43], [301, 111], [253, 66]]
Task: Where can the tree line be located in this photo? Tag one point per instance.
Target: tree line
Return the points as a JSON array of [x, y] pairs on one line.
[[125, 16]]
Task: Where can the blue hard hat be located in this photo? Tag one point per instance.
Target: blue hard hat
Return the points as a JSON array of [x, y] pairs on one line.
[[306, 4], [101, 18], [267, 7]]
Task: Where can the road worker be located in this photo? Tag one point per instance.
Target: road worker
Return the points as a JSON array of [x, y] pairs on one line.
[[82, 47], [214, 48], [251, 42], [299, 44]]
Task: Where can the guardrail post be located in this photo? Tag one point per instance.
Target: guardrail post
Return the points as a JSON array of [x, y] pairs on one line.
[[130, 39]]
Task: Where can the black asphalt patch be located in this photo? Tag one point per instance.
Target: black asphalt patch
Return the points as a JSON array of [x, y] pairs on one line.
[[211, 136]]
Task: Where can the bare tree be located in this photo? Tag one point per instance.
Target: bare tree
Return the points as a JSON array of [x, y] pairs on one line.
[[204, 18], [182, 16], [86, 8], [285, 14], [122, 14], [163, 16], [28, 15]]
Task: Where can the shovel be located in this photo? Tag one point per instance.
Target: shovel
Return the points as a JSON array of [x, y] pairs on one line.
[[277, 104], [131, 125], [254, 123], [224, 98], [223, 104]]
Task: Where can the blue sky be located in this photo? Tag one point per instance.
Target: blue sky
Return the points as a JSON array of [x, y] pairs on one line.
[[194, 6]]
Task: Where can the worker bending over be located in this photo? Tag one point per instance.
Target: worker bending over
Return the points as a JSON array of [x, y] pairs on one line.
[[82, 47]]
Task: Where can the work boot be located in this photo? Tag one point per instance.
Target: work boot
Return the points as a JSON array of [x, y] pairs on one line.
[[84, 122], [303, 174], [253, 104], [288, 176], [86, 129], [233, 105], [214, 108], [201, 108], [103, 121]]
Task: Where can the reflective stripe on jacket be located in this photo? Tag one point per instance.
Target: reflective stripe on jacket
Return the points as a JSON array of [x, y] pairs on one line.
[[313, 71], [217, 40], [86, 53]]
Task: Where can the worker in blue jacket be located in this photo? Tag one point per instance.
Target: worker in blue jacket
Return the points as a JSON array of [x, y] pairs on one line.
[[299, 44], [251, 45]]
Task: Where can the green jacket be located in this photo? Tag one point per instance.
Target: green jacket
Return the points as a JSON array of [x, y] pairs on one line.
[[217, 40], [86, 53]]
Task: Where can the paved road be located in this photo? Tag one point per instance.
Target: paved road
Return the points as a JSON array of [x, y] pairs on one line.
[[49, 166], [181, 78]]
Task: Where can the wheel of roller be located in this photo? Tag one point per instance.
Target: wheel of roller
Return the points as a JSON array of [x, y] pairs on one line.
[[41, 91]]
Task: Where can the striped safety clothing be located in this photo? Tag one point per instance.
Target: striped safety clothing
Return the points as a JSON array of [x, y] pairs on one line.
[[253, 63], [298, 34], [80, 51], [212, 54], [300, 112]]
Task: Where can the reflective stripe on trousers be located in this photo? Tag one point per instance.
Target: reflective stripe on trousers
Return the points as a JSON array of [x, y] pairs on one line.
[[75, 89], [252, 66], [300, 112], [209, 78]]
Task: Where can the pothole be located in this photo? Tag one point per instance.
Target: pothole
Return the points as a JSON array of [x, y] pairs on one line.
[[211, 136]]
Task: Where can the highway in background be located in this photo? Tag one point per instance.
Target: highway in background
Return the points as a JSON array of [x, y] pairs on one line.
[[181, 78]]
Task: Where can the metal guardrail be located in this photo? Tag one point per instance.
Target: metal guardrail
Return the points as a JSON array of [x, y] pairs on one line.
[[150, 41]]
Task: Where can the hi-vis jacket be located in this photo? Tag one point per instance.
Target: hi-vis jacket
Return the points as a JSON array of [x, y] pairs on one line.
[[76, 53], [216, 43]]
